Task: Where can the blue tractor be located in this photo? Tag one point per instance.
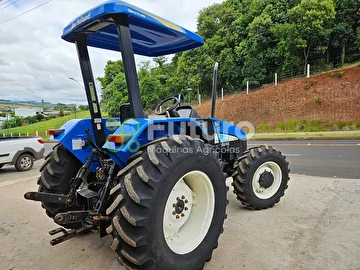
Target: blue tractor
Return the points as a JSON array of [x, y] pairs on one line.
[[156, 185]]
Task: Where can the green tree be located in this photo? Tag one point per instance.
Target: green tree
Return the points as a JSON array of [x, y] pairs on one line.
[[61, 112], [346, 23], [313, 20], [114, 94], [111, 70]]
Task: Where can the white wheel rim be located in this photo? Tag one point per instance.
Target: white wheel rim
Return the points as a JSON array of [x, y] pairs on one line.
[[194, 195], [259, 190], [25, 162]]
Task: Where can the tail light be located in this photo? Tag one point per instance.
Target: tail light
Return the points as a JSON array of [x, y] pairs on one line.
[[55, 132], [41, 141]]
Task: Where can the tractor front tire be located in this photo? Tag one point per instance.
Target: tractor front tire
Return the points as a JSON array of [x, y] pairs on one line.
[[261, 177], [55, 174], [169, 207]]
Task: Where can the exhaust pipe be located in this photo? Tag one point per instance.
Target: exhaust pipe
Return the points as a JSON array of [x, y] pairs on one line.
[[214, 90]]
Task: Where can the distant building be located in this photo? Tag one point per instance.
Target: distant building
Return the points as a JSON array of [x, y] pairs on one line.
[[3, 119], [52, 113], [25, 112]]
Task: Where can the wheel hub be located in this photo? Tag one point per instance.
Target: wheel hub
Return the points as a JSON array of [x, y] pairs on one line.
[[266, 179], [179, 207]]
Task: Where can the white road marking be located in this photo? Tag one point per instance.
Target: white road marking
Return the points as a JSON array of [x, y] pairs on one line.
[[292, 155]]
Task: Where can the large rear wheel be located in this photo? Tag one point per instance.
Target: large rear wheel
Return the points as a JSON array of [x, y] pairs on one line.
[[170, 206], [55, 175]]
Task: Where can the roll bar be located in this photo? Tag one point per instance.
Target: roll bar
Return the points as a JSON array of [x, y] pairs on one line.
[[214, 90]]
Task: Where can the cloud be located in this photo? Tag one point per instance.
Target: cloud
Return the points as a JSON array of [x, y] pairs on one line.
[[3, 62], [35, 63]]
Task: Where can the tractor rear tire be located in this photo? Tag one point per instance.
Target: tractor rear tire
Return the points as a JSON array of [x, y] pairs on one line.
[[169, 207], [55, 174], [261, 177]]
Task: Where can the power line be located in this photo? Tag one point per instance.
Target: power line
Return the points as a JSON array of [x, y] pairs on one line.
[[26, 12], [4, 2], [9, 4]]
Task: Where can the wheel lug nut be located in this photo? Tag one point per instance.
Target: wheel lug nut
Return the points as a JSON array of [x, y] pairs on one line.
[[178, 199], [182, 197], [182, 214], [174, 205], [174, 213], [177, 216], [186, 208], [186, 201]]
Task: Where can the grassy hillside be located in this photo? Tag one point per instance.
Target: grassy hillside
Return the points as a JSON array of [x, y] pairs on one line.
[[41, 127]]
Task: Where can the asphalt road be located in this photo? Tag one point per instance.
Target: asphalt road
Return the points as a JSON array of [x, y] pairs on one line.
[[328, 158]]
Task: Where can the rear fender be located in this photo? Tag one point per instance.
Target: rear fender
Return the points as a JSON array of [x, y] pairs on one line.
[[143, 131], [74, 135]]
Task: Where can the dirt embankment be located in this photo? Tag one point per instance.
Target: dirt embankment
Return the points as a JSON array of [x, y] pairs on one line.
[[333, 96]]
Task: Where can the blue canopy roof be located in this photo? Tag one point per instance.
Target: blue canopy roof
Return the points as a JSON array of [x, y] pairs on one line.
[[151, 35]]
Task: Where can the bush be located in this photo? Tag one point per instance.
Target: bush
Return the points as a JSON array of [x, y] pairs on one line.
[[17, 121], [295, 125], [343, 125], [340, 74], [264, 128], [39, 117]]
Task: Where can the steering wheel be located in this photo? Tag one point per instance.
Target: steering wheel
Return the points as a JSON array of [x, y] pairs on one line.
[[168, 110]]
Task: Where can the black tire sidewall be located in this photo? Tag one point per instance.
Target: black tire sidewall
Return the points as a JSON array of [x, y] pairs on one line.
[[166, 257], [69, 165], [281, 162]]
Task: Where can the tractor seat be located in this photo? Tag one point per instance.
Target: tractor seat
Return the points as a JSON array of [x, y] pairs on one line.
[[125, 112], [187, 111]]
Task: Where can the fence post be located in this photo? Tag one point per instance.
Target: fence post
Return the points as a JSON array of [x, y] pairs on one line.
[[247, 87], [222, 93], [19, 134], [199, 99], [276, 79], [27, 134], [37, 133], [308, 71], [11, 134]]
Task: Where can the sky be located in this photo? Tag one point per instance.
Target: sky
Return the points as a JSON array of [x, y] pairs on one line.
[[35, 63]]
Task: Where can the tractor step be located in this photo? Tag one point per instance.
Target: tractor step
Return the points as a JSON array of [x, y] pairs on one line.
[[46, 197], [69, 234]]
